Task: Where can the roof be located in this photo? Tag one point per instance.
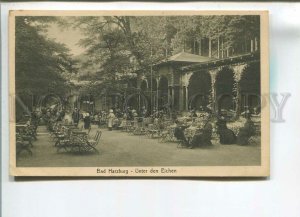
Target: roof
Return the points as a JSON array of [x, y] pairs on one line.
[[254, 56], [188, 57], [84, 82]]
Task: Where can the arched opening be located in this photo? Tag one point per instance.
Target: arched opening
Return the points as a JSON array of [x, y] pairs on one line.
[[87, 103], [136, 101], [250, 88], [152, 84], [144, 86], [72, 102], [51, 101], [199, 90], [124, 98], [224, 90], [163, 92], [132, 83]]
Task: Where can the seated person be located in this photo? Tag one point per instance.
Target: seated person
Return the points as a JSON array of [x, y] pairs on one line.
[[227, 136], [134, 113], [203, 137], [179, 134], [123, 121], [129, 115], [246, 132], [256, 110], [193, 114], [96, 119]]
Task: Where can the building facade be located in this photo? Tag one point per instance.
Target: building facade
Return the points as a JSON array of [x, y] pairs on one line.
[[189, 81]]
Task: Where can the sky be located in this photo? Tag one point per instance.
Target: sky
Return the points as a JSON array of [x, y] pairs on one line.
[[68, 36]]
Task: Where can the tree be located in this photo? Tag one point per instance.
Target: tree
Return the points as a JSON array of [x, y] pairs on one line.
[[41, 63], [234, 30], [118, 46], [42, 66]]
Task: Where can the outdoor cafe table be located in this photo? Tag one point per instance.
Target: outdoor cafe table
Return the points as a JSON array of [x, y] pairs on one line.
[[80, 141], [69, 125], [21, 125], [79, 133], [23, 141]]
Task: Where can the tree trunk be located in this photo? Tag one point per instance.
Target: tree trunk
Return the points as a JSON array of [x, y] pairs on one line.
[[209, 47]]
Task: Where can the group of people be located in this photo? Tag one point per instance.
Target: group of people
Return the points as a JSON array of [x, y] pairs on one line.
[[202, 137], [86, 117], [227, 136]]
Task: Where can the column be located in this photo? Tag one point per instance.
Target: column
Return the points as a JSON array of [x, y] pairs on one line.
[[255, 44], [181, 98], [200, 47], [222, 48], [139, 82], [173, 97], [139, 100], [213, 98], [157, 93], [218, 47], [186, 99], [238, 70], [169, 95], [176, 102], [209, 48]]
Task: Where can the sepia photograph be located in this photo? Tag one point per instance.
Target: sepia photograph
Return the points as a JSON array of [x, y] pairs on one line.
[[139, 93]]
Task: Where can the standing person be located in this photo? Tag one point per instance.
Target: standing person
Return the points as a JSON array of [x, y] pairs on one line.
[[129, 114], [76, 116], [110, 117], [144, 112], [62, 114], [87, 121], [58, 116], [97, 119]]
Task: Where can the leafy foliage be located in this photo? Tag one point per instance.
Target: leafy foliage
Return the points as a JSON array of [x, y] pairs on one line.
[[41, 64], [119, 45]]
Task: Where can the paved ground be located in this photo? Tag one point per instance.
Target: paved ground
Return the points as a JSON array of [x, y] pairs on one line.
[[120, 149]]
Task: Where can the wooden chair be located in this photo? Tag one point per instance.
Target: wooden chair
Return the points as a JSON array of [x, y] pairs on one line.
[[23, 143], [89, 145], [94, 142], [257, 131], [152, 130], [167, 135], [79, 143], [63, 140]]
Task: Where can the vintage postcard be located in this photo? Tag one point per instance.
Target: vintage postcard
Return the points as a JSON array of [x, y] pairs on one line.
[[139, 93]]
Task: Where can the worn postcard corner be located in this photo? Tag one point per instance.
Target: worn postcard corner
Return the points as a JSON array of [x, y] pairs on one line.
[[139, 93]]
